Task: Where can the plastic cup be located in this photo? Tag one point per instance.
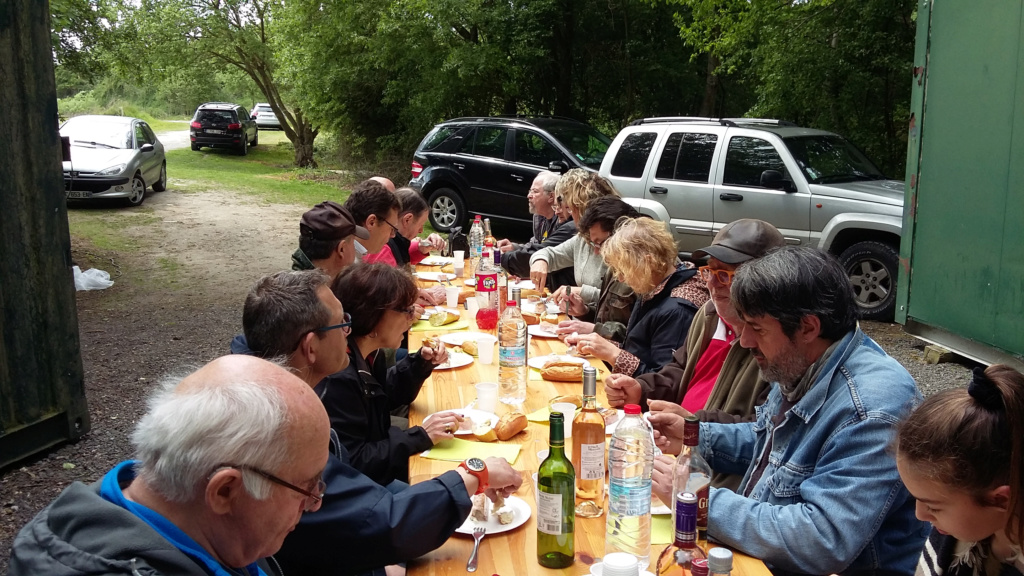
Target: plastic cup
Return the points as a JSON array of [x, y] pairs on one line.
[[568, 410], [451, 294], [472, 306], [485, 352], [486, 396], [460, 263], [620, 564]]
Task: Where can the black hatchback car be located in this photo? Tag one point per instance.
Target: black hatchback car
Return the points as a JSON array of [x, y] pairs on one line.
[[486, 165], [223, 125]]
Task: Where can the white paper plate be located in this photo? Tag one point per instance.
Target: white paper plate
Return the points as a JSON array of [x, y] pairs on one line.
[[521, 513], [455, 360], [457, 338], [538, 362], [523, 285], [434, 276], [536, 330], [610, 429], [437, 261], [479, 417], [598, 570], [469, 282], [550, 308]]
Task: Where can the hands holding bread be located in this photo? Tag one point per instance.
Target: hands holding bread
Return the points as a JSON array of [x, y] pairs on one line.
[[434, 351], [595, 345]]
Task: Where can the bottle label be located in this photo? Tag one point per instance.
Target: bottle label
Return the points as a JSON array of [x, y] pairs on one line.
[[691, 433], [630, 500], [511, 356], [591, 461], [702, 507], [486, 282], [549, 512]]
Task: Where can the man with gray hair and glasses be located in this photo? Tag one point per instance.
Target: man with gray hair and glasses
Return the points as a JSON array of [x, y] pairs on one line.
[[227, 460], [288, 316], [548, 230], [820, 492]]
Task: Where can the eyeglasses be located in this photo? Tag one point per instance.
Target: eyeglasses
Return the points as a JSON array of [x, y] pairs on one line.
[[317, 495], [394, 228], [724, 277], [410, 311], [558, 200], [346, 328], [596, 245]]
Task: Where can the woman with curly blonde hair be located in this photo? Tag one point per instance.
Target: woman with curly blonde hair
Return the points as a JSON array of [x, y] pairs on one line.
[[642, 254]]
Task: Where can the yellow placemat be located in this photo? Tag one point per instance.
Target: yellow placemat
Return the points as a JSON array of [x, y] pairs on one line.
[[542, 415], [661, 529], [424, 325], [457, 450]]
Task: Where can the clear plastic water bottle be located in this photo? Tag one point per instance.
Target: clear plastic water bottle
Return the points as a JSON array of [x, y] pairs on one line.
[[630, 463], [476, 244], [512, 368]]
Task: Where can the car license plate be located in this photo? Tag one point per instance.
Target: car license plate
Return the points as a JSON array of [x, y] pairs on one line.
[[209, 131], [79, 194]]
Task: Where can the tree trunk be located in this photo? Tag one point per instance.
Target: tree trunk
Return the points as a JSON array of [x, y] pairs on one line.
[[564, 33], [303, 143], [707, 107]]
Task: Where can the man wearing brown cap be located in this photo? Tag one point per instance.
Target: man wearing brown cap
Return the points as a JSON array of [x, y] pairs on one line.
[[326, 239], [712, 376]]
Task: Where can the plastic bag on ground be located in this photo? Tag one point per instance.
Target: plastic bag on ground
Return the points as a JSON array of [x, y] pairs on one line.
[[91, 279]]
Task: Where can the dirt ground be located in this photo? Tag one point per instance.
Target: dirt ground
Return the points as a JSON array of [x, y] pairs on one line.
[[176, 303]]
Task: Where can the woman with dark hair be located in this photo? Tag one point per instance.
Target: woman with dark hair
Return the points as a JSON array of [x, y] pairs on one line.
[[406, 247], [380, 299], [961, 455]]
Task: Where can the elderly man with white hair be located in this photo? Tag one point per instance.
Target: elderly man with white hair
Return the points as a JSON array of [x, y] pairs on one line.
[[227, 460]]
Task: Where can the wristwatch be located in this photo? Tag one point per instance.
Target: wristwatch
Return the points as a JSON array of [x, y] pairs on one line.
[[476, 467]]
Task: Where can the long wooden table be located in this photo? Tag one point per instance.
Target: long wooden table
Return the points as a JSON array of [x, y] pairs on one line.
[[513, 552]]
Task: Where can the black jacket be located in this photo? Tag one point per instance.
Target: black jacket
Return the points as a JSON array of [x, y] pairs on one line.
[[363, 526], [400, 250], [517, 262], [359, 407], [660, 325]]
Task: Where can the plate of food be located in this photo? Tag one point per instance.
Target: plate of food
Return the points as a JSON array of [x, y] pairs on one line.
[[455, 360], [436, 261], [471, 419], [497, 517], [434, 276], [612, 417], [542, 330], [469, 282], [555, 368], [523, 285], [467, 341]]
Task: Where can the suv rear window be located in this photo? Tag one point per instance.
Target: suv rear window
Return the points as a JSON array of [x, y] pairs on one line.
[[687, 157], [632, 155], [747, 158], [435, 138], [216, 116]]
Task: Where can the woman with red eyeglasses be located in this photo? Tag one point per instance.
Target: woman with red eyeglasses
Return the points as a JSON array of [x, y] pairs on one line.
[[359, 399]]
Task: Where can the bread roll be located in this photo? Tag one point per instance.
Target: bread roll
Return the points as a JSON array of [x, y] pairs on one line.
[[574, 399], [531, 318], [562, 371], [485, 434], [444, 316], [510, 424], [470, 347], [431, 342], [466, 293]]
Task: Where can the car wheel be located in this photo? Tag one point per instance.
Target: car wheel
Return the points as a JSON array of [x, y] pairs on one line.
[[256, 138], [196, 147], [138, 191], [446, 209], [244, 146], [873, 270], [161, 184]]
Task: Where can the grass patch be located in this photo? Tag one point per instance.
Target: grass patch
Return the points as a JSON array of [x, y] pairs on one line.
[[168, 125], [105, 228], [267, 172]]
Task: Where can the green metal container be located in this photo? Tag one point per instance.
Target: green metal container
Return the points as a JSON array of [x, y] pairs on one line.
[[961, 279]]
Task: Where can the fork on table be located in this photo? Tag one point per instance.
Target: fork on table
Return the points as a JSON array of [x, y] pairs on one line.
[[478, 535]]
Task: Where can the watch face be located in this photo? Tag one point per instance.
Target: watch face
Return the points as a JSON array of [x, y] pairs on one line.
[[475, 464]]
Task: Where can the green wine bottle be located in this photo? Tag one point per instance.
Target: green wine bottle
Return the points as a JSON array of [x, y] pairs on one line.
[[556, 502]]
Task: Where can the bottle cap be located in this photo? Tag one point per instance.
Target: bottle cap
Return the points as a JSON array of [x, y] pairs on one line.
[[699, 567], [720, 560], [511, 303], [631, 409], [589, 381]]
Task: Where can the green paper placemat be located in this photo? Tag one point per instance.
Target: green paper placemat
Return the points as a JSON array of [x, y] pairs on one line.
[[661, 529], [457, 450], [424, 325]]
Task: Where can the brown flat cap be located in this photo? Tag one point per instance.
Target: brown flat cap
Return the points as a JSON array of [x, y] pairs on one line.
[[330, 221], [743, 240]]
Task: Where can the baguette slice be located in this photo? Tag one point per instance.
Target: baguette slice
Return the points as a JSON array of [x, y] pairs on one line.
[[562, 371], [510, 424]]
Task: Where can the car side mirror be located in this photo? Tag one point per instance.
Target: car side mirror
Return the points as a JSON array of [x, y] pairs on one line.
[[558, 167], [776, 181], [146, 148]]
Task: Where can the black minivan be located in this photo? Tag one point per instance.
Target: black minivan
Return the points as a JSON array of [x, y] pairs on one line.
[[485, 165], [223, 125]]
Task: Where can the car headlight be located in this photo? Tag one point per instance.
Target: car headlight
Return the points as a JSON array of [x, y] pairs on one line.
[[112, 170]]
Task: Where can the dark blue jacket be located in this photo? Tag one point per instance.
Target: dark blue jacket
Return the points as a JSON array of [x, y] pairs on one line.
[[660, 325], [362, 526], [359, 400]]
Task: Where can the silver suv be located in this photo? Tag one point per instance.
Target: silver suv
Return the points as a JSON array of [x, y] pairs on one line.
[[699, 174]]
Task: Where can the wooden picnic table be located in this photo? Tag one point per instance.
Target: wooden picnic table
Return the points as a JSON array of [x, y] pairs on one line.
[[513, 552]]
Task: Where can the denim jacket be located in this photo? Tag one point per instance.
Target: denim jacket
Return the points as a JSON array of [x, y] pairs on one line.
[[830, 499]]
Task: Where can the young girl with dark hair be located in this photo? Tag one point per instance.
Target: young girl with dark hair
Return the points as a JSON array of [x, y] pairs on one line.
[[961, 455]]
